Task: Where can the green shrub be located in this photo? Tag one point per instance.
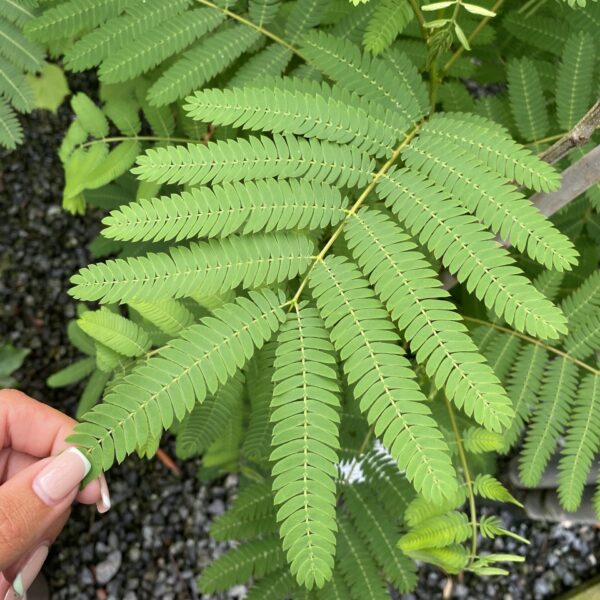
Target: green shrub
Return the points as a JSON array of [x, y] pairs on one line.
[[275, 297]]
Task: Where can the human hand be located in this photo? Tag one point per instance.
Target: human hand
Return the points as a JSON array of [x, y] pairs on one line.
[[39, 479]]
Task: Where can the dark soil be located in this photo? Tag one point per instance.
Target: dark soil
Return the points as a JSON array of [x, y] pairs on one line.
[[154, 541]]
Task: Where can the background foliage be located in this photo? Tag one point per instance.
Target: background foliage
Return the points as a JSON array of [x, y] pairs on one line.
[[284, 182]]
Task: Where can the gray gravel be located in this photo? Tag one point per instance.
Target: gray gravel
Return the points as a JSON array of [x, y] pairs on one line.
[[154, 541]]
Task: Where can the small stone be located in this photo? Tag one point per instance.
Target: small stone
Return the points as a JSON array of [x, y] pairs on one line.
[[237, 591], [216, 508], [108, 568]]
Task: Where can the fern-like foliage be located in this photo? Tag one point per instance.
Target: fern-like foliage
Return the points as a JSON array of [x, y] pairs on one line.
[[213, 268], [278, 252], [305, 439], [377, 527], [527, 100], [364, 335], [18, 58], [254, 559], [115, 332], [408, 286], [389, 19], [437, 532], [256, 158], [371, 129], [574, 80], [264, 205], [209, 420], [186, 370]]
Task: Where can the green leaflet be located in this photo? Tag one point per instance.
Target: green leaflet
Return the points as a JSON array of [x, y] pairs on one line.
[[413, 297], [18, 50], [264, 205], [257, 444], [582, 303], [495, 148], [523, 386], [252, 512], [170, 316], [92, 392], [437, 532], [468, 250], [453, 558], [370, 129], [379, 531], [304, 15], [487, 486], [549, 420], [270, 61], [14, 87], [91, 118], [373, 361], [274, 586], [108, 360], [582, 443], [389, 19], [305, 408], [584, 340], [495, 202], [263, 12], [358, 568], [545, 33], [574, 80], [139, 17], [142, 54], [401, 91], [115, 332], [253, 559], [200, 64], [478, 440], [70, 18], [11, 133], [209, 419], [256, 158], [527, 99], [72, 374], [168, 385], [18, 12], [214, 267]]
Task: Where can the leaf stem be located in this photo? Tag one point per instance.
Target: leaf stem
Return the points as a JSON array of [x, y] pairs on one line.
[[420, 18], [468, 480], [471, 37], [534, 341], [352, 211], [253, 25], [545, 140], [141, 138]]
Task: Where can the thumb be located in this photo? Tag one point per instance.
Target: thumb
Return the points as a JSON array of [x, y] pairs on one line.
[[34, 498]]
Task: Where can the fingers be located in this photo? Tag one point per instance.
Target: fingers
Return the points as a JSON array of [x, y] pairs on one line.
[[34, 498], [19, 576], [31, 427]]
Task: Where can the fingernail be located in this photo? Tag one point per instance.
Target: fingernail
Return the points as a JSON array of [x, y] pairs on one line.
[[104, 504], [27, 574], [61, 476]]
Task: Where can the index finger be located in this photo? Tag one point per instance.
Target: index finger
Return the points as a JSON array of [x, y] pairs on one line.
[[34, 429], [31, 427]]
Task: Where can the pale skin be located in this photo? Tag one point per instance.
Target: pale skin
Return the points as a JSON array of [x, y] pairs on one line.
[[38, 483]]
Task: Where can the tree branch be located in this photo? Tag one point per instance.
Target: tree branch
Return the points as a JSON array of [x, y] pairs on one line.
[[578, 136], [578, 178]]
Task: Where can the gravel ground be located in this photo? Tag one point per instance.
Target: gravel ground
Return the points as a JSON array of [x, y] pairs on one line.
[[154, 541]]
